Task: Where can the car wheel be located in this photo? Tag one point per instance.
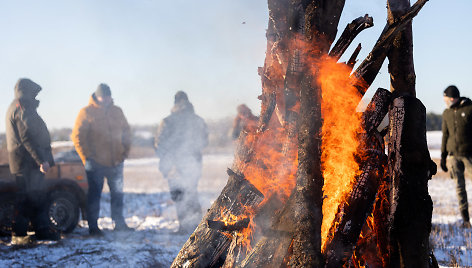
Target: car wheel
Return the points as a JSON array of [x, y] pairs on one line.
[[63, 211], [7, 208]]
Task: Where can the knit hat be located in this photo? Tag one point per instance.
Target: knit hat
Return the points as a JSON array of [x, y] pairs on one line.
[[103, 90], [452, 92]]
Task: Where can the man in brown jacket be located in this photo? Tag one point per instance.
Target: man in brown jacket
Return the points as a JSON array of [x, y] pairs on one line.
[[30, 157], [102, 139]]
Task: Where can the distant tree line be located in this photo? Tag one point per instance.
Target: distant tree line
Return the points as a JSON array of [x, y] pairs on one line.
[[219, 133], [433, 121]]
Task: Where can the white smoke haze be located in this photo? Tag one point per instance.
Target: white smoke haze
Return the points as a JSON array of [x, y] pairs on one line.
[[147, 51]]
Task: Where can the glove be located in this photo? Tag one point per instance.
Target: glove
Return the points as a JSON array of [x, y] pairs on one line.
[[443, 162], [89, 164]]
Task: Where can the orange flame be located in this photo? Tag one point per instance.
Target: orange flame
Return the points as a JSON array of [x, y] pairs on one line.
[[272, 170], [339, 138]]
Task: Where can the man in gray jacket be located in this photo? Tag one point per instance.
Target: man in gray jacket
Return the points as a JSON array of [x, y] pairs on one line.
[[180, 140], [30, 157]]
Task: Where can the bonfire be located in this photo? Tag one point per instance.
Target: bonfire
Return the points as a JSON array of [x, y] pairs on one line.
[[312, 186]]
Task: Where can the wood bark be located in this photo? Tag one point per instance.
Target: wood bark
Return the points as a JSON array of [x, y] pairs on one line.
[[410, 167], [401, 66], [350, 33], [208, 247], [365, 74], [353, 59]]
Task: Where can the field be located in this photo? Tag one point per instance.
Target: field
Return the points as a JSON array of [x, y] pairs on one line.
[[155, 243]]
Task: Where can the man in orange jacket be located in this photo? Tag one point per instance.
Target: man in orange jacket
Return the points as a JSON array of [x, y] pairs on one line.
[[102, 138]]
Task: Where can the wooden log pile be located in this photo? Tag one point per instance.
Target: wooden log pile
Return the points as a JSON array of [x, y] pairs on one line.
[[286, 230]]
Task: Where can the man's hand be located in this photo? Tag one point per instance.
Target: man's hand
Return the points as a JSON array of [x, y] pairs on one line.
[[44, 168], [443, 162]]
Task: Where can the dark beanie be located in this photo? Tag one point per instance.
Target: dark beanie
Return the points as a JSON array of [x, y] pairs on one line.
[[452, 92], [180, 96], [103, 90]]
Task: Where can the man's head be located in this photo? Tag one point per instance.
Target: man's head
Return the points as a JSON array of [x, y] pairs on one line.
[[103, 94], [451, 95], [180, 96], [26, 89]]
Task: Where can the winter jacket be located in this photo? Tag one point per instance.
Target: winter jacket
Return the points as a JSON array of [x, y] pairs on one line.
[[101, 134], [457, 129], [28, 139], [181, 135]]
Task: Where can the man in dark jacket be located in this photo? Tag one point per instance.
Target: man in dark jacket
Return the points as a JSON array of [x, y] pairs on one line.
[[30, 157], [456, 148], [180, 140]]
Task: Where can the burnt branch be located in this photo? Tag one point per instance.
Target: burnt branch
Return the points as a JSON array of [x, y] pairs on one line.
[[228, 227], [350, 33], [365, 74], [353, 59]]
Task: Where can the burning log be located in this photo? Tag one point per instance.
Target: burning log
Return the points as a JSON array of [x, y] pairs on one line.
[[349, 34], [207, 247], [273, 248], [235, 252], [352, 214]]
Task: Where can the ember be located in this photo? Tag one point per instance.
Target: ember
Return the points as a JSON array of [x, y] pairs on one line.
[[228, 227]]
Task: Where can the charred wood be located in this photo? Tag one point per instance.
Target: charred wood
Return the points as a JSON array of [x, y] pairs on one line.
[[235, 252], [353, 59], [350, 33], [410, 167], [365, 74], [400, 56], [228, 227], [376, 110], [208, 247], [353, 213], [269, 102], [272, 249]]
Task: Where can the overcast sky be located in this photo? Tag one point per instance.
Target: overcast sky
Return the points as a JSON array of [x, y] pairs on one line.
[[146, 50]]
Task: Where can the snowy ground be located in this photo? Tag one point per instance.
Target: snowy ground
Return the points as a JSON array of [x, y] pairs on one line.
[[148, 208]]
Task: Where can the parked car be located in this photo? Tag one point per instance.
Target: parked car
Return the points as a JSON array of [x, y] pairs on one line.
[[66, 185]]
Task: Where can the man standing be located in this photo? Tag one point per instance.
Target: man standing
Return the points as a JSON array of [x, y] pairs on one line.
[[180, 140], [102, 138], [456, 148], [244, 121], [30, 157]]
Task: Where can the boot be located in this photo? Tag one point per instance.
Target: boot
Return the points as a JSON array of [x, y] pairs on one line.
[[121, 226], [95, 231], [47, 234]]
